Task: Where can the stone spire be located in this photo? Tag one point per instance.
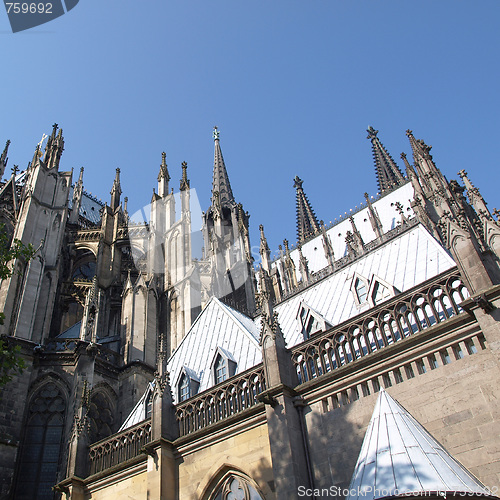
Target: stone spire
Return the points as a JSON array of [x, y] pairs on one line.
[[4, 159], [264, 251], [54, 148], [374, 218], [184, 180], [163, 177], [327, 246], [220, 183], [388, 173], [116, 191], [307, 224], [303, 265], [475, 197], [77, 199]]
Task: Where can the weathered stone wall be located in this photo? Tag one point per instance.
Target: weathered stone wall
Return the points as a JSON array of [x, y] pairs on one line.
[[12, 405], [458, 403], [129, 484], [245, 449]]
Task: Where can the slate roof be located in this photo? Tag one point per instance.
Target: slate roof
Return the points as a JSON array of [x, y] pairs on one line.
[[90, 206], [399, 457]]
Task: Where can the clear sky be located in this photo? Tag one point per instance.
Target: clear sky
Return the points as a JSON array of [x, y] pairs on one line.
[[292, 86]]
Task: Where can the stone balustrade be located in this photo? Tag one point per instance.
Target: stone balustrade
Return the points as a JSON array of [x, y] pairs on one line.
[[413, 311], [220, 402], [119, 447]]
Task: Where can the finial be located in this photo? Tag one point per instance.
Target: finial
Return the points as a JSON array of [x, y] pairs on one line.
[[297, 182], [15, 170], [164, 159], [216, 134], [372, 133], [409, 132], [184, 181]]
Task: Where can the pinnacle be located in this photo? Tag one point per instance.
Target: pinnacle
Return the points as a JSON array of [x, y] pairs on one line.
[[388, 173], [221, 182], [307, 223]]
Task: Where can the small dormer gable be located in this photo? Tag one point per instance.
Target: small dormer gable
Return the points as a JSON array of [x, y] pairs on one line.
[[311, 321], [223, 366]]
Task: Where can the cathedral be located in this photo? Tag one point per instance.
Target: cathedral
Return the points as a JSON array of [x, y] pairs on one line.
[[161, 362]]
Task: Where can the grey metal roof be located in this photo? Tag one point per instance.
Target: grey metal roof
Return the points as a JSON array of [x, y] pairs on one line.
[[405, 261], [217, 326], [399, 457], [90, 206], [138, 414]]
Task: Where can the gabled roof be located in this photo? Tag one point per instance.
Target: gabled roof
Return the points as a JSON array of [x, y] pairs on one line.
[[218, 326], [138, 414], [403, 262], [399, 457]]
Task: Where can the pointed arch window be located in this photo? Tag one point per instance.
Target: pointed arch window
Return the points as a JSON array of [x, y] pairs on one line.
[[100, 417], [188, 384], [310, 321], [380, 291], [220, 369], [223, 366], [235, 487], [184, 392], [41, 450], [359, 288]]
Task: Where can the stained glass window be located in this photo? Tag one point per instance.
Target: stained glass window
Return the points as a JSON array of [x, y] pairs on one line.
[[41, 448]]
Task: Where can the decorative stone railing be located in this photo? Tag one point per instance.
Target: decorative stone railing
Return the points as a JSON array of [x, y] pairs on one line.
[[221, 401], [119, 447], [407, 313], [93, 234]]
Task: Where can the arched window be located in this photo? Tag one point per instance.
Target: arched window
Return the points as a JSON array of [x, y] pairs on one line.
[[223, 366], [361, 290], [310, 321], [220, 369], [184, 392], [100, 417], [235, 487], [41, 448]]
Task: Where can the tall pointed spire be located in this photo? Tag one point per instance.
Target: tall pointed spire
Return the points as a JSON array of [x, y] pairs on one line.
[[4, 159], [116, 191], [388, 173], [307, 224], [264, 251], [77, 199], [163, 177], [220, 183], [54, 148]]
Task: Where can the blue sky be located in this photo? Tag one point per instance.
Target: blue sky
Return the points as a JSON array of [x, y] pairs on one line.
[[292, 85]]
